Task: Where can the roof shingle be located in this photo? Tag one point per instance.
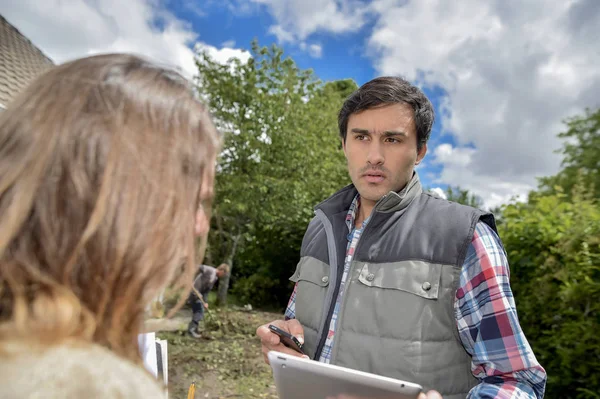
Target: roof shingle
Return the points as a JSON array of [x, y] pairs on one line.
[[20, 61]]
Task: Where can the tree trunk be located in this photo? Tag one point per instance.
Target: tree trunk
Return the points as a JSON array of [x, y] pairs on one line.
[[224, 282]]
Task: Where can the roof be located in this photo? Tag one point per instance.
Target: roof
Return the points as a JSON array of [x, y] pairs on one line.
[[20, 62]]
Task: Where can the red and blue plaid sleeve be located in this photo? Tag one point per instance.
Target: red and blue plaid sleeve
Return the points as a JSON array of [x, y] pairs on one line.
[[290, 311], [488, 325]]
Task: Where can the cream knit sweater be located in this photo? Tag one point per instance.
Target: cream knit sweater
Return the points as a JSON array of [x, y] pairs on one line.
[[72, 371]]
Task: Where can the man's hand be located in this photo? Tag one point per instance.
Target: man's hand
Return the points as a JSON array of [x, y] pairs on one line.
[[429, 395], [271, 342], [206, 305]]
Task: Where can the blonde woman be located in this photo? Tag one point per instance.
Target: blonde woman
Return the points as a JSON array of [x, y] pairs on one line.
[[106, 169]]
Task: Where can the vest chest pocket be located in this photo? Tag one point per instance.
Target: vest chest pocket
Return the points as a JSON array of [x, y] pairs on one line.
[[312, 277], [400, 300], [416, 277]]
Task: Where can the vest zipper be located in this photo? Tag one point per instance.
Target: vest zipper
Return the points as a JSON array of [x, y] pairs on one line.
[[333, 264], [338, 283]]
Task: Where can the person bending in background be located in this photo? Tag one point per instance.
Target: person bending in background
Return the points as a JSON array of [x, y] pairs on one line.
[[205, 281]]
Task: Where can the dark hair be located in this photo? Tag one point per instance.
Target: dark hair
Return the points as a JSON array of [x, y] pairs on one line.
[[388, 90]]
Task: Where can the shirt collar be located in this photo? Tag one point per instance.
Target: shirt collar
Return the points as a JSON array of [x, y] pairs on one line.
[[351, 215]]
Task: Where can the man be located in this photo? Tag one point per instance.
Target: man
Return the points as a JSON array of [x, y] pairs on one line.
[[204, 283], [395, 281]]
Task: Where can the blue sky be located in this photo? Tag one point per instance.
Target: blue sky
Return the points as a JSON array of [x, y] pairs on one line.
[[342, 55], [502, 78]]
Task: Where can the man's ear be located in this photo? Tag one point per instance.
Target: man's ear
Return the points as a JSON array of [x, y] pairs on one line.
[[421, 154]]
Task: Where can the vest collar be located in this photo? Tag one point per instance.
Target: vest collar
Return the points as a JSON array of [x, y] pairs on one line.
[[391, 202], [397, 201]]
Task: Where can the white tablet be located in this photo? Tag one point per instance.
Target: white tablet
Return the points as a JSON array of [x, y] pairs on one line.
[[298, 378]]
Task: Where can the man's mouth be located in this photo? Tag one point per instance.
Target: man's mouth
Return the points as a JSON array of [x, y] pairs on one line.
[[374, 177]]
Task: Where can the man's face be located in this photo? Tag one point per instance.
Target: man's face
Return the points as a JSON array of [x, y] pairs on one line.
[[381, 150]]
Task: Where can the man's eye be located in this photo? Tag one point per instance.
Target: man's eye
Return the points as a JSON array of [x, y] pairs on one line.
[[361, 137], [392, 140]]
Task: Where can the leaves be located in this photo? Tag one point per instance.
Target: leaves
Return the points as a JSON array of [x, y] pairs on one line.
[[553, 245], [461, 196], [581, 156], [281, 154]]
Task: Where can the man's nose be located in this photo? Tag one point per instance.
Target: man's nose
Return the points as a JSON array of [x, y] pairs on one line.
[[375, 155]]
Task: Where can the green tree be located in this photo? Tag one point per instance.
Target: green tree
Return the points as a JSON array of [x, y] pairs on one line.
[[343, 88], [462, 196], [280, 153], [581, 155], [553, 245]]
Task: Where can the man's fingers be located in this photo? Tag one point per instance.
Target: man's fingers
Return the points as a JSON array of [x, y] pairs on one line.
[[295, 328], [285, 350], [265, 352], [279, 348], [288, 351], [433, 395], [271, 341], [266, 336], [292, 326]]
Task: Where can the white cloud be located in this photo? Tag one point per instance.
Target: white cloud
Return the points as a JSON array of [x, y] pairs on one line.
[[512, 75], [239, 8], [460, 169], [224, 54], [193, 7], [228, 44], [448, 155], [438, 192], [492, 190], [298, 19], [281, 34], [78, 28], [512, 72], [314, 50]]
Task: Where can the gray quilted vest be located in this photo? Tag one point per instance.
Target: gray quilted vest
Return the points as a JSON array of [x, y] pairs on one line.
[[397, 317]]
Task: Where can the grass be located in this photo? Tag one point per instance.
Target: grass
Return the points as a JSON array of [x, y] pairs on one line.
[[226, 362]]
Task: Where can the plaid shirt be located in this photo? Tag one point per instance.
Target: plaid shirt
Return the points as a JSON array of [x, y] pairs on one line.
[[485, 313]]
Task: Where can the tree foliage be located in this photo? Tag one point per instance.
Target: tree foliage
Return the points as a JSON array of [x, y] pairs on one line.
[[280, 153], [581, 156], [463, 196], [553, 245]]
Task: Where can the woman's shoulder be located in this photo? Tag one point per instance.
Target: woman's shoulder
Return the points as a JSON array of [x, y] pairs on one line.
[[74, 370]]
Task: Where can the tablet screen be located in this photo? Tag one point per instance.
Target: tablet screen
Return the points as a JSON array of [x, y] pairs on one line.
[[298, 378]]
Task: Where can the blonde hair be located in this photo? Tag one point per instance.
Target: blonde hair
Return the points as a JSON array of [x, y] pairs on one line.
[[102, 162], [224, 267]]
